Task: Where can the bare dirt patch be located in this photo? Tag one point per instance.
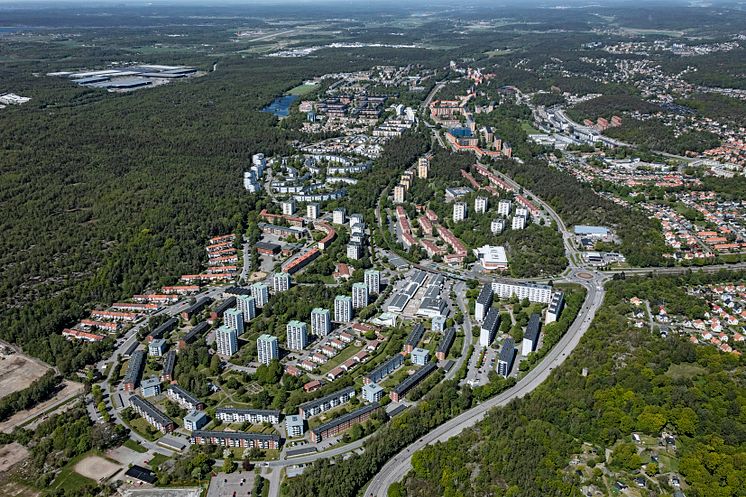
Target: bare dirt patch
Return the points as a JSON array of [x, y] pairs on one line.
[[17, 372], [10, 455], [15, 489], [96, 468], [69, 390]]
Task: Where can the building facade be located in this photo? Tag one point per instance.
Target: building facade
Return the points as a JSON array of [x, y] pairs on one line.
[[343, 309], [359, 295], [247, 305], [233, 318], [459, 211], [260, 292], [297, 335], [267, 348], [227, 340], [321, 322], [373, 281]]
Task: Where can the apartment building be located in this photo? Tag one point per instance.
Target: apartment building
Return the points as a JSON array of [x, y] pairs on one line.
[[260, 292], [227, 340], [297, 335], [342, 309], [321, 322]]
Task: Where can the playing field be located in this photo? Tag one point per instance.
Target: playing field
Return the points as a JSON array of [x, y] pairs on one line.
[[97, 468], [17, 372]]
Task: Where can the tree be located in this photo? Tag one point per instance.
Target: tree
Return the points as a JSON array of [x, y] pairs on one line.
[[395, 490]]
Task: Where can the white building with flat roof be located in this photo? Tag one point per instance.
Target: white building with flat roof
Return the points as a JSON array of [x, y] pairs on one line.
[[280, 282], [518, 223], [313, 210], [343, 309], [297, 335], [267, 348], [234, 319], [492, 257], [459, 211], [359, 295], [227, 340], [503, 207], [480, 205], [373, 281], [399, 192], [339, 216], [288, 207], [260, 292], [321, 322], [534, 292], [247, 306]]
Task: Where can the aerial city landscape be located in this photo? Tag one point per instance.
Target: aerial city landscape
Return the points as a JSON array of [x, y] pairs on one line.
[[362, 249]]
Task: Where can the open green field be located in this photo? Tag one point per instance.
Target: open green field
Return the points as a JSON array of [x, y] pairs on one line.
[[497, 53], [140, 426], [526, 126], [684, 371], [157, 460], [301, 90], [68, 480], [132, 445]]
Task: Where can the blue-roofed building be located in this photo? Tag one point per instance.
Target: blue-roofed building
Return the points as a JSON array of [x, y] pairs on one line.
[[372, 392], [294, 426], [438, 323]]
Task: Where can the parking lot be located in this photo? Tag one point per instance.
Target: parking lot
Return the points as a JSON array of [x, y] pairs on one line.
[[240, 483]]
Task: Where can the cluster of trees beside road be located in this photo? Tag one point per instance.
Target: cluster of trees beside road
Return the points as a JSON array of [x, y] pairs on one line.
[[40, 390], [634, 384]]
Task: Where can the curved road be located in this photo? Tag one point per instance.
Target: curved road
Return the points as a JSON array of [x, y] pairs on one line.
[[400, 464]]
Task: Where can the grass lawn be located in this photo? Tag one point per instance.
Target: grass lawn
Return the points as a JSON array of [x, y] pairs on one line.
[[497, 53], [667, 463], [458, 344], [338, 359], [396, 377], [302, 90], [132, 445], [684, 371], [68, 479], [526, 126], [157, 460], [261, 428], [140, 426]]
